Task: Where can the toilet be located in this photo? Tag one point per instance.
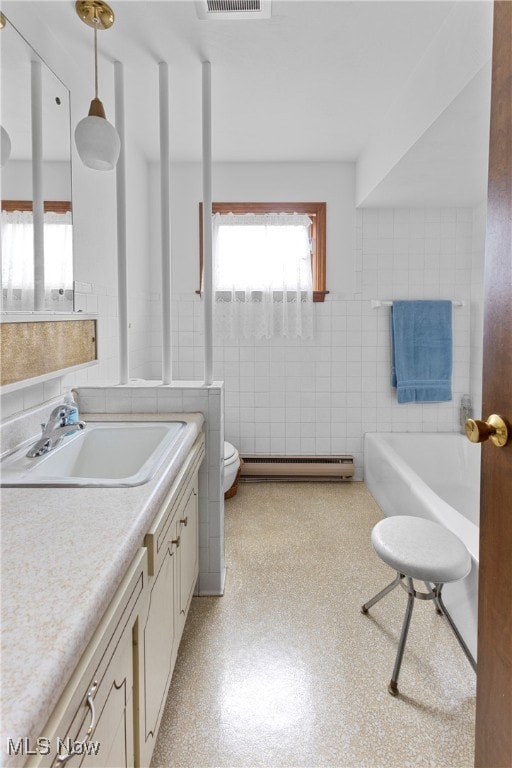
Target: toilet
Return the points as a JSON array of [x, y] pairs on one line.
[[231, 467]]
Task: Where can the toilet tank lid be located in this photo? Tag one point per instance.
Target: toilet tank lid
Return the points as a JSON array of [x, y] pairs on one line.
[[229, 450]]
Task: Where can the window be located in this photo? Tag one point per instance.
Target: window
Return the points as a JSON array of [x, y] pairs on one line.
[[18, 255], [316, 212]]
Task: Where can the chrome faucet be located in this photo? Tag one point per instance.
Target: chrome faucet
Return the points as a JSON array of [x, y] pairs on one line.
[[58, 426]]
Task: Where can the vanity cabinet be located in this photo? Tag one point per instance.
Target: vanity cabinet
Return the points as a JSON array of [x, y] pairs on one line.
[[188, 553], [172, 544], [110, 711], [100, 693]]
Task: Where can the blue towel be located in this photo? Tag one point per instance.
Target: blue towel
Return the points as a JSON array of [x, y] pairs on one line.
[[421, 351]]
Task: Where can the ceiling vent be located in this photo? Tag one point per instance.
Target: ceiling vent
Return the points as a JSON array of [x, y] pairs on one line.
[[226, 10]]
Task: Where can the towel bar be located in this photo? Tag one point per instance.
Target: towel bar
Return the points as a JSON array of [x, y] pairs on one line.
[[376, 303]]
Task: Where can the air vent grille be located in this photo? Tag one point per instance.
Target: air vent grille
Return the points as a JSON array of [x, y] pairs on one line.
[[233, 6], [233, 10]]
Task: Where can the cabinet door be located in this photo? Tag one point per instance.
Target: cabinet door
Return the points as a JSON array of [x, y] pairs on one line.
[[93, 723], [111, 742], [159, 641], [188, 552]]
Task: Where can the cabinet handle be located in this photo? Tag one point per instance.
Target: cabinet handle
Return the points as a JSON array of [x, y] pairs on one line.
[[77, 749], [184, 521], [176, 541]]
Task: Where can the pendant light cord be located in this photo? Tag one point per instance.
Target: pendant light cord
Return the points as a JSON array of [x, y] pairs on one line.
[[96, 109], [95, 62]]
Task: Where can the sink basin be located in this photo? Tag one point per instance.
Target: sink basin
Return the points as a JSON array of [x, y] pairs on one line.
[[104, 454]]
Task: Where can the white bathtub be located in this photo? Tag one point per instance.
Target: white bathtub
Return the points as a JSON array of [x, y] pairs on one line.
[[436, 476]]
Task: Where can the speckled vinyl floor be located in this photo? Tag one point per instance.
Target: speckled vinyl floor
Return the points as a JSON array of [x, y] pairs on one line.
[[284, 670]]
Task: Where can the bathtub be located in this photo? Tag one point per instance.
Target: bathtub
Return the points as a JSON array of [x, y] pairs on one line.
[[435, 476]]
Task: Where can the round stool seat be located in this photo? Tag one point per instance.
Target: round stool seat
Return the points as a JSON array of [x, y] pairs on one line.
[[421, 549]]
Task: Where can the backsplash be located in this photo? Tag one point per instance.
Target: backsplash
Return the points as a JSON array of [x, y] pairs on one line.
[[25, 426]]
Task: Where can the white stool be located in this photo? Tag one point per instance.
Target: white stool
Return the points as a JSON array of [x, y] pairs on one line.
[[419, 549]]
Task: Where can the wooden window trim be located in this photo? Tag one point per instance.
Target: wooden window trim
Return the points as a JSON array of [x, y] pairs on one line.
[[317, 212], [50, 206]]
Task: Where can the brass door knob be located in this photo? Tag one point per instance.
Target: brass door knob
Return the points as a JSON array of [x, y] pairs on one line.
[[494, 429]]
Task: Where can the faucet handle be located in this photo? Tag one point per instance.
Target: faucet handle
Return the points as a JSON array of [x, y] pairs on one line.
[[57, 414], [43, 427], [59, 417]]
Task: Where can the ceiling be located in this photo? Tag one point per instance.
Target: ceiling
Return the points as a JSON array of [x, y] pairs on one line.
[[448, 165], [308, 84]]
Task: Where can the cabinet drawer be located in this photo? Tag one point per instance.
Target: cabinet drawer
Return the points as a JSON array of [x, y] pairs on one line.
[[93, 719], [162, 531]]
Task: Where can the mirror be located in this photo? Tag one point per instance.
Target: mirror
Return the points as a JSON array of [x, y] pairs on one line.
[[37, 252]]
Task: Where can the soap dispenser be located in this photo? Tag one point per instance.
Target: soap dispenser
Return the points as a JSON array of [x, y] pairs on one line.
[[72, 417]]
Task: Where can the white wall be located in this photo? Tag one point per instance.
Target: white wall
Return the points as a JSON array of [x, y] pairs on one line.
[[17, 180], [267, 182], [408, 254], [141, 296], [459, 50], [321, 396], [95, 235], [477, 307], [282, 397]]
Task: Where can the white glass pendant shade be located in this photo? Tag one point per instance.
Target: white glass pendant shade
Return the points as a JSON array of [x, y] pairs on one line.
[[5, 146], [97, 143]]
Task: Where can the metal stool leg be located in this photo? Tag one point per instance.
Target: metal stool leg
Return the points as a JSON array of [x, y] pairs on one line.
[[393, 687], [390, 587], [444, 611], [434, 598]]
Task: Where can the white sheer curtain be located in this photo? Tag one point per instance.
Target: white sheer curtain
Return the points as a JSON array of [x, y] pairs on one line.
[[262, 276], [18, 260], [58, 257]]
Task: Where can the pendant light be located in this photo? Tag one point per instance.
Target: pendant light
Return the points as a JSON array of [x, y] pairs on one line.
[[97, 141], [5, 146]]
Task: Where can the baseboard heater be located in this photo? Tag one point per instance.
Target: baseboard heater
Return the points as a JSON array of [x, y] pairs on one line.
[[296, 468]]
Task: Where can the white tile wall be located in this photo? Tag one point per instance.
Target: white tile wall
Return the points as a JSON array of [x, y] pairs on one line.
[[144, 334], [407, 254], [25, 425], [99, 298], [320, 396]]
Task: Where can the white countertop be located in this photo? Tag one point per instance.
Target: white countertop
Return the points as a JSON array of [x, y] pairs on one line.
[[64, 553]]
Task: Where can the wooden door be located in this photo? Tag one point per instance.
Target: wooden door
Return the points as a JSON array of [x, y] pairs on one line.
[[493, 748]]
